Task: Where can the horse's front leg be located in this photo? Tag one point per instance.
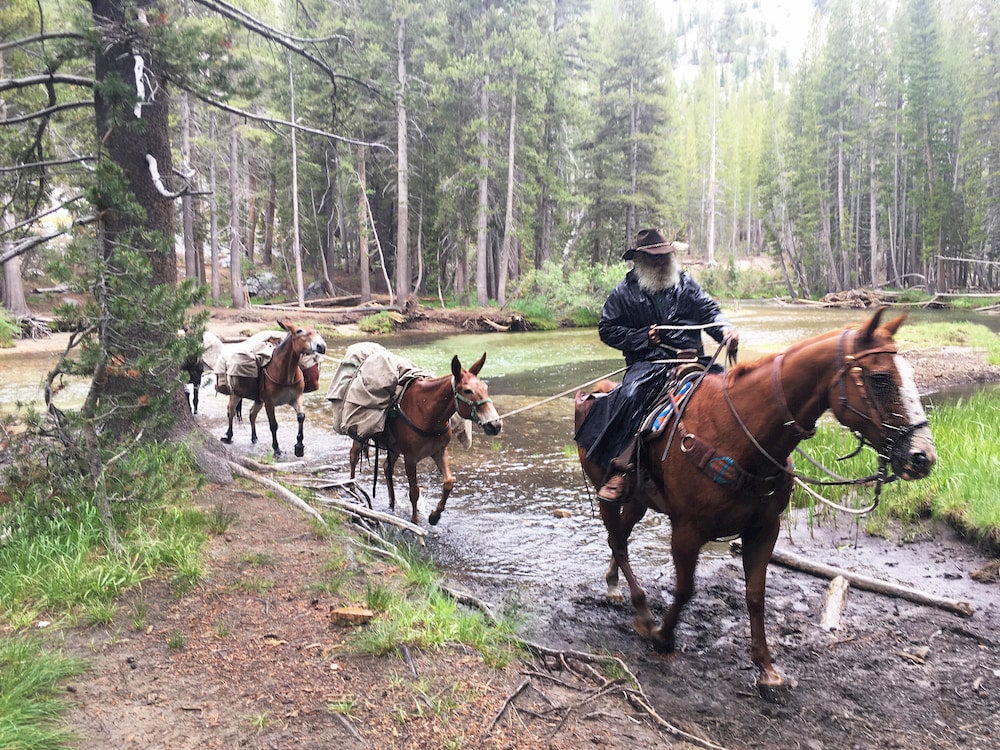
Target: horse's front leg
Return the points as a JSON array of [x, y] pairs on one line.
[[629, 515], [758, 544], [300, 415], [411, 479], [447, 483], [194, 397], [272, 422], [685, 543], [618, 531]]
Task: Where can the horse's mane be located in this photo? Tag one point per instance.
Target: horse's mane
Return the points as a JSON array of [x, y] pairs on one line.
[[742, 369]]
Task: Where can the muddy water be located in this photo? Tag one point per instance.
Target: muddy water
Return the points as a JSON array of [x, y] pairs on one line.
[[521, 528]]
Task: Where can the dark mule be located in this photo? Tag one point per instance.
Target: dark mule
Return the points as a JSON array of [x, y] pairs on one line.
[[197, 366], [279, 383], [726, 470], [419, 427]]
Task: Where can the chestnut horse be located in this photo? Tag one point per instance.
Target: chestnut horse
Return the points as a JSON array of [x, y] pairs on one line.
[[725, 470], [279, 383], [419, 427]]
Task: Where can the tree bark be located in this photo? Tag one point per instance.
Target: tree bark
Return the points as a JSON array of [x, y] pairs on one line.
[[235, 246], [296, 245], [403, 170], [364, 262], [213, 214], [482, 279], [508, 223]]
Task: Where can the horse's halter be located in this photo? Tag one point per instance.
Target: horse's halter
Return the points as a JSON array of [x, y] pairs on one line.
[[875, 388], [473, 405]]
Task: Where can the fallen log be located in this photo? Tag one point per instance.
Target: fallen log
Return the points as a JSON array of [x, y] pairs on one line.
[[834, 603], [858, 580]]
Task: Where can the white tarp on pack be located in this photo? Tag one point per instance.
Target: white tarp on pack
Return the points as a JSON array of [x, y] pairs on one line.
[[367, 382]]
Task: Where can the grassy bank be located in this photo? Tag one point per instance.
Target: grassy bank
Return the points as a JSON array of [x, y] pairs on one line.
[[963, 490], [56, 569]]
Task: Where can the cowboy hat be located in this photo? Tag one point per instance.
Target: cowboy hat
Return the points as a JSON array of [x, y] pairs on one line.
[[650, 241]]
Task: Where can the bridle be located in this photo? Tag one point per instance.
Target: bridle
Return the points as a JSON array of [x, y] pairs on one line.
[[397, 410], [473, 405], [847, 364]]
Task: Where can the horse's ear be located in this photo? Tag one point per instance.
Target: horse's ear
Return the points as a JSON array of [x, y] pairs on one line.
[[456, 367], [868, 330], [478, 365], [893, 325]]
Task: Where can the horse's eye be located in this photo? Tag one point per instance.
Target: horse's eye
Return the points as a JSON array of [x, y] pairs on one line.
[[881, 385]]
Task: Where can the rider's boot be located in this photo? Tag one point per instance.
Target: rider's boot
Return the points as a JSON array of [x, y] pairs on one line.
[[616, 484]]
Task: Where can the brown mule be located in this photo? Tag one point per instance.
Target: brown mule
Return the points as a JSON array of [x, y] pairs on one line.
[[419, 428], [279, 383]]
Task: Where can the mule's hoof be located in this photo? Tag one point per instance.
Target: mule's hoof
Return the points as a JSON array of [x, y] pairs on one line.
[[226, 440], [774, 688], [614, 596], [433, 518], [253, 440], [300, 451]]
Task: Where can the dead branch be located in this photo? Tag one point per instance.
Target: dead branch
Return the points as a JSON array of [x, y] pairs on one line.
[[858, 580], [508, 702], [834, 603], [359, 510], [287, 495]]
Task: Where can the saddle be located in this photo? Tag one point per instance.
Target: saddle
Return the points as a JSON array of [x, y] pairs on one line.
[[675, 392]]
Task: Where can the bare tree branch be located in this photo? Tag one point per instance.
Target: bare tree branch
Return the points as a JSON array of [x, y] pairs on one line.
[[7, 84], [47, 112], [49, 163], [29, 243], [15, 43], [276, 121], [42, 215]]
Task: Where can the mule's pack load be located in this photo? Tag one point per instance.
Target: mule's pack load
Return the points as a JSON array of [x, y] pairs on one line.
[[368, 381], [246, 358]]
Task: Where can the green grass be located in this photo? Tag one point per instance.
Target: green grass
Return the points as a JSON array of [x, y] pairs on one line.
[[937, 335], [30, 705], [414, 611], [963, 489]]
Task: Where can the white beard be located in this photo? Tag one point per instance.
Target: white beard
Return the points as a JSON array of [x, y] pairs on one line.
[[654, 276]]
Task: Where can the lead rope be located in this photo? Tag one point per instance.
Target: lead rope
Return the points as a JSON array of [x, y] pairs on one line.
[[564, 393]]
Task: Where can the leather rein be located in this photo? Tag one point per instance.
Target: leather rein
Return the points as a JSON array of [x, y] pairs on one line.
[[846, 364], [724, 469]]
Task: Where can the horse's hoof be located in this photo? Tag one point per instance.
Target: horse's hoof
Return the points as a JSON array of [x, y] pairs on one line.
[[253, 440], [300, 451], [433, 518], [226, 440], [614, 597], [776, 694]]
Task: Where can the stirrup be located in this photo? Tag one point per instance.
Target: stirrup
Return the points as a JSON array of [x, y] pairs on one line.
[[613, 490]]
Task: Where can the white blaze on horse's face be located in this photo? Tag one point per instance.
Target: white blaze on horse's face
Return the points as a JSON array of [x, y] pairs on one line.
[[920, 453]]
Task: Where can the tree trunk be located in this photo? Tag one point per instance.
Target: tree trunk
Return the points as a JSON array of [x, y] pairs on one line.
[[213, 214], [403, 173], [187, 202], [140, 152], [365, 270], [296, 246], [267, 253], [508, 224], [482, 279], [235, 246], [710, 209]]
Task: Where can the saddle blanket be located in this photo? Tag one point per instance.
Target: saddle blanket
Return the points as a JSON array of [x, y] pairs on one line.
[[659, 418]]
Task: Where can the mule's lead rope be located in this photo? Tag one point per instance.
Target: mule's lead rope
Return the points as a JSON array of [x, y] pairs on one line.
[[560, 395]]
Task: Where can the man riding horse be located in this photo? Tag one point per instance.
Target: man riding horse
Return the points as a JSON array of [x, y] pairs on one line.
[[654, 293]]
